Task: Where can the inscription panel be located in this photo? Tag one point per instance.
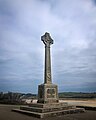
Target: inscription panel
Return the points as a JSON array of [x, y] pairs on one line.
[[51, 93]]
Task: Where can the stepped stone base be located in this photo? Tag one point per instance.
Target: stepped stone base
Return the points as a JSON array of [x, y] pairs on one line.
[[46, 110]]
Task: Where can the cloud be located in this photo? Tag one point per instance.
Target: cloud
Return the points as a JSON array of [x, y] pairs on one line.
[[72, 25]]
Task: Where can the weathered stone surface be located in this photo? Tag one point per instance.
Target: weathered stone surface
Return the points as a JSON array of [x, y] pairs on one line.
[[47, 105], [47, 40], [52, 113], [47, 109], [47, 93]]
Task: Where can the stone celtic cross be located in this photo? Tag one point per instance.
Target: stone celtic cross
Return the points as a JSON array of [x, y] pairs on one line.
[[47, 92], [47, 40]]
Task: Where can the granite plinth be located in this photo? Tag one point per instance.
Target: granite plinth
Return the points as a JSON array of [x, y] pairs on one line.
[[47, 110], [47, 93]]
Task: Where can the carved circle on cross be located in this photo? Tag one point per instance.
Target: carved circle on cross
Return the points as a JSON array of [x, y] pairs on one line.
[[47, 40]]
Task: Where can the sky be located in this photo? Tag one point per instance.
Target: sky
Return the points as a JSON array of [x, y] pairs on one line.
[[72, 26]]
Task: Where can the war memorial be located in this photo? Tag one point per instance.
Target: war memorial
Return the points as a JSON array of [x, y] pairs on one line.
[[48, 102]]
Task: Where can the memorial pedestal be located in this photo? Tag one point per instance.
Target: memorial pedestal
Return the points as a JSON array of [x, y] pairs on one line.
[[47, 93]]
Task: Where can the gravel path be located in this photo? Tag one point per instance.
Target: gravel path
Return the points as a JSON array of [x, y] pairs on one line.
[[7, 114]]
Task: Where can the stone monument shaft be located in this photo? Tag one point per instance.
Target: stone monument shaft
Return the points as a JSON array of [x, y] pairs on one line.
[[47, 40], [47, 92]]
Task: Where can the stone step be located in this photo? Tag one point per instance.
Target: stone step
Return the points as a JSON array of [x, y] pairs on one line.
[[51, 105], [44, 110], [48, 114]]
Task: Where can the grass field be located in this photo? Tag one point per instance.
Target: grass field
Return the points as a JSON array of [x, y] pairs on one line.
[[80, 102]]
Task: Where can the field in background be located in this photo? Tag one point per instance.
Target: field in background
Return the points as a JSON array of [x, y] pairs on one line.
[[77, 95], [73, 97]]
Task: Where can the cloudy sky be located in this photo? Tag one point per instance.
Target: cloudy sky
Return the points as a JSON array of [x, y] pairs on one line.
[[72, 26]]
